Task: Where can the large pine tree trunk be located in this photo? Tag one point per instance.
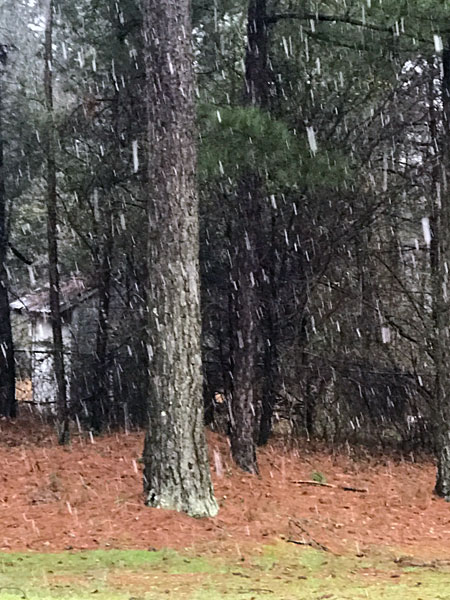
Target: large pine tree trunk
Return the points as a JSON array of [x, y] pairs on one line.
[[8, 404], [176, 473], [52, 238]]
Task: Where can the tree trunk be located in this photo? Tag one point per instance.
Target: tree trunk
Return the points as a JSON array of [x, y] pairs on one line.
[[244, 341], [52, 238], [270, 382], [100, 405], [246, 268], [176, 473], [8, 405], [439, 259], [257, 73], [271, 373], [439, 251]]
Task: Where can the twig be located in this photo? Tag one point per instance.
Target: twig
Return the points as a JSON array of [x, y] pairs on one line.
[[408, 561], [311, 543], [12, 587], [299, 542], [18, 254], [346, 488]]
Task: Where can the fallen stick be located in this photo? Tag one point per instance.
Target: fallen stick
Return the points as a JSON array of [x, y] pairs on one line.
[[346, 488], [11, 588], [311, 543], [409, 561]]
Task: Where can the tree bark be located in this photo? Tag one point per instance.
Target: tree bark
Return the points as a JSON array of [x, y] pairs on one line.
[[271, 374], [246, 268], [100, 407], [439, 259], [8, 405], [52, 237], [244, 340], [257, 73], [176, 472]]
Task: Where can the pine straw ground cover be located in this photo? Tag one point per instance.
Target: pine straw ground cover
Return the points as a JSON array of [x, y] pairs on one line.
[[273, 537]]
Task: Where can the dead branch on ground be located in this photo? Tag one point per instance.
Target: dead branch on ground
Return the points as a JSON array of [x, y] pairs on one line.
[[306, 542], [346, 488]]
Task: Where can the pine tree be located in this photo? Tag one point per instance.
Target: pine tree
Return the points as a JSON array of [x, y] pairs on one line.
[[176, 474]]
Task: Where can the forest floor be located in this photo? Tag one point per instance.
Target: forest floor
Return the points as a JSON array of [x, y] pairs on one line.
[[88, 496]]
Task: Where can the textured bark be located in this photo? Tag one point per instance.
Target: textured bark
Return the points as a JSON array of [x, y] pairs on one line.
[[52, 238], [257, 73], [439, 259], [176, 473], [8, 405], [244, 341], [100, 408], [270, 384], [245, 269], [271, 373], [442, 487]]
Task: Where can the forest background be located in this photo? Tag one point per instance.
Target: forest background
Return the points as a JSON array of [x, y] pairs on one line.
[[324, 211]]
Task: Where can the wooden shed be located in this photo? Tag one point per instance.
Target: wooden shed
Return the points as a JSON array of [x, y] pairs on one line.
[[79, 315]]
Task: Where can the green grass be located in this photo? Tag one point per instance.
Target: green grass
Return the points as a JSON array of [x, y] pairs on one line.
[[281, 572]]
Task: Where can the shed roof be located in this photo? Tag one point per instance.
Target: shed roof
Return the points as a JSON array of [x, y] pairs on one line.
[[73, 291]]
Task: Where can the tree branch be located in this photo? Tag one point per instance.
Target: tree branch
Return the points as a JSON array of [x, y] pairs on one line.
[[345, 19], [272, 19], [18, 254], [346, 488]]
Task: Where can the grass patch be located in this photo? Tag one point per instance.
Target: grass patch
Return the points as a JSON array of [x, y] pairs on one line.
[[281, 572]]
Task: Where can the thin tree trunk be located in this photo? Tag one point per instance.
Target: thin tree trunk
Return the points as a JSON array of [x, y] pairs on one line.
[[52, 238], [176, 468], [100, 408], [439, 259], [244, 341], [270, 384], [257, 73], [246, 268], [271, 373], [8, 405]]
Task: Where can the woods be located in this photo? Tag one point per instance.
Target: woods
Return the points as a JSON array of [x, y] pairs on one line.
[[232, 214]]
